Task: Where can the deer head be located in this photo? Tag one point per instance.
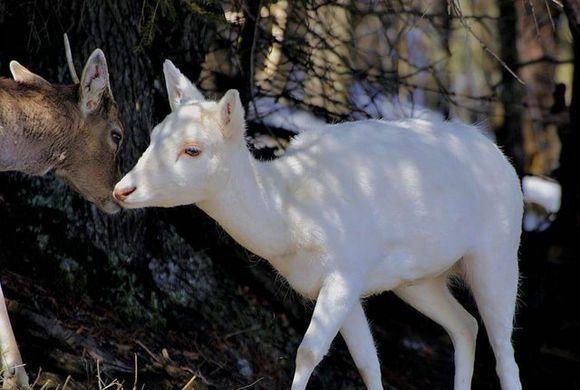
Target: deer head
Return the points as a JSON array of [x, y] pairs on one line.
[[191, 149], [83, 149]]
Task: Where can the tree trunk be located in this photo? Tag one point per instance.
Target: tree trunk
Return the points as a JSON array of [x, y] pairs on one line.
[[569, 216], [509, 135]]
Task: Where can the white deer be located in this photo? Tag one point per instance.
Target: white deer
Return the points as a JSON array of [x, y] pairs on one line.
[[352, 210]]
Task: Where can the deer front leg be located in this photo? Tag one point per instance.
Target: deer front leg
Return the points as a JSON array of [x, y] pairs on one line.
[[12, 369], [357, 334], [335, 300]]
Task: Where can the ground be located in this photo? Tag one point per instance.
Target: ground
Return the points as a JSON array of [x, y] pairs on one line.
[[214, 319]]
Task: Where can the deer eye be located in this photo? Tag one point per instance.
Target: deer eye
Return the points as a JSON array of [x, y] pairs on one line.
[[116, 136], [192, 151]]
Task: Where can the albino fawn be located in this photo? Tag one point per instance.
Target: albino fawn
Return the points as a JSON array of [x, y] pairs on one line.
[[352, 210], [73, 131]]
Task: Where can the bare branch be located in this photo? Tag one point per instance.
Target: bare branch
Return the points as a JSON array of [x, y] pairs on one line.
[[454, 6]]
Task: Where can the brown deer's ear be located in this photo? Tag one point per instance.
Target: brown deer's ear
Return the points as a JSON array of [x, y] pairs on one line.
[[23, 75], [94, 82]]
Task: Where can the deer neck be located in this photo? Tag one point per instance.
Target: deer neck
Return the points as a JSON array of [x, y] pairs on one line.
[[249, 208], [33, 134]]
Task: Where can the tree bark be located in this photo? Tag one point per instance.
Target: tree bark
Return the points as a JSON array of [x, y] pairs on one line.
[[509, 135], [568, 223]]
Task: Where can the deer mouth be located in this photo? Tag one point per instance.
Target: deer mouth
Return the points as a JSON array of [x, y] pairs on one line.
[[124, 195]]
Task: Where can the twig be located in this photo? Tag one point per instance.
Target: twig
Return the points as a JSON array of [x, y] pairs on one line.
[[550, 15], [66, 381], [46, 384], [189, 383], [533, 9], [136, 373], [545, 58], [250, 385], [155, 357], [99, 381], [242, 331], [37, 379], [454, 6]]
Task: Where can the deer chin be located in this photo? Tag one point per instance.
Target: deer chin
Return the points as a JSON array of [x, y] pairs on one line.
[[109, 207], [145, 198], [143, 203]]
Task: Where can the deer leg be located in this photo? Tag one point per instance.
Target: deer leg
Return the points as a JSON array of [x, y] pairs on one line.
[[334, 303], [433, 298], [494, 282], [357, 334], [12, 369]]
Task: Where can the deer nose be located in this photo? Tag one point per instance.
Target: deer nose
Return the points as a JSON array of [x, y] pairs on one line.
[[122, 193]]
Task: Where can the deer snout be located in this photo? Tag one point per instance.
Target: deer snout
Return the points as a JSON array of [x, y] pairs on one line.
[[122, 193]]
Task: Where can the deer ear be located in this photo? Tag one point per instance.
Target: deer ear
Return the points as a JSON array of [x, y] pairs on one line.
[[23, 75], [231, 114], [94, 82], [179, 89]]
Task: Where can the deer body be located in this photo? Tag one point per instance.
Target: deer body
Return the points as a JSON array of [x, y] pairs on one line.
[[34, 131], [324, 195], [73, 131], [351, 210]]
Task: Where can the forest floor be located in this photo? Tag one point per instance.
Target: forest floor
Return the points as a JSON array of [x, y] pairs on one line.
[[88, 346], [245, 337], [91, 347]]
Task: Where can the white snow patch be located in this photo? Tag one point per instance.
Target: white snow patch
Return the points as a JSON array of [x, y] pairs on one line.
[[369, 101], [266, 141], [276, 114], [547, 194]]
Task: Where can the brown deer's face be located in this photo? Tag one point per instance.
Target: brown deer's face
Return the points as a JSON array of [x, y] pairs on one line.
[[92, 169], [90, 130], [91, 165]]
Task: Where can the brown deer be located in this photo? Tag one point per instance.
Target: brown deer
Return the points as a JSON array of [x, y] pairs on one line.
[[73, 131]]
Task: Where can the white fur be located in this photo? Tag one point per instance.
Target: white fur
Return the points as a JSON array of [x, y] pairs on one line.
[[355, 209]]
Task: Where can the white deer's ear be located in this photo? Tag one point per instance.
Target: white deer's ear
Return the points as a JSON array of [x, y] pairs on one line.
[[231, 114], [94, 82], [23, 75], [179, 89]]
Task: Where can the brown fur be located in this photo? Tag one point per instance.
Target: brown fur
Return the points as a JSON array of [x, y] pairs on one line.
[[42, 129]]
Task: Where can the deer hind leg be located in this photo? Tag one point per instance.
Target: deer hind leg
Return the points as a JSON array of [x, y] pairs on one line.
[[494, 279], [12, 369], [433, 298], [335, 301], [357, 334]]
